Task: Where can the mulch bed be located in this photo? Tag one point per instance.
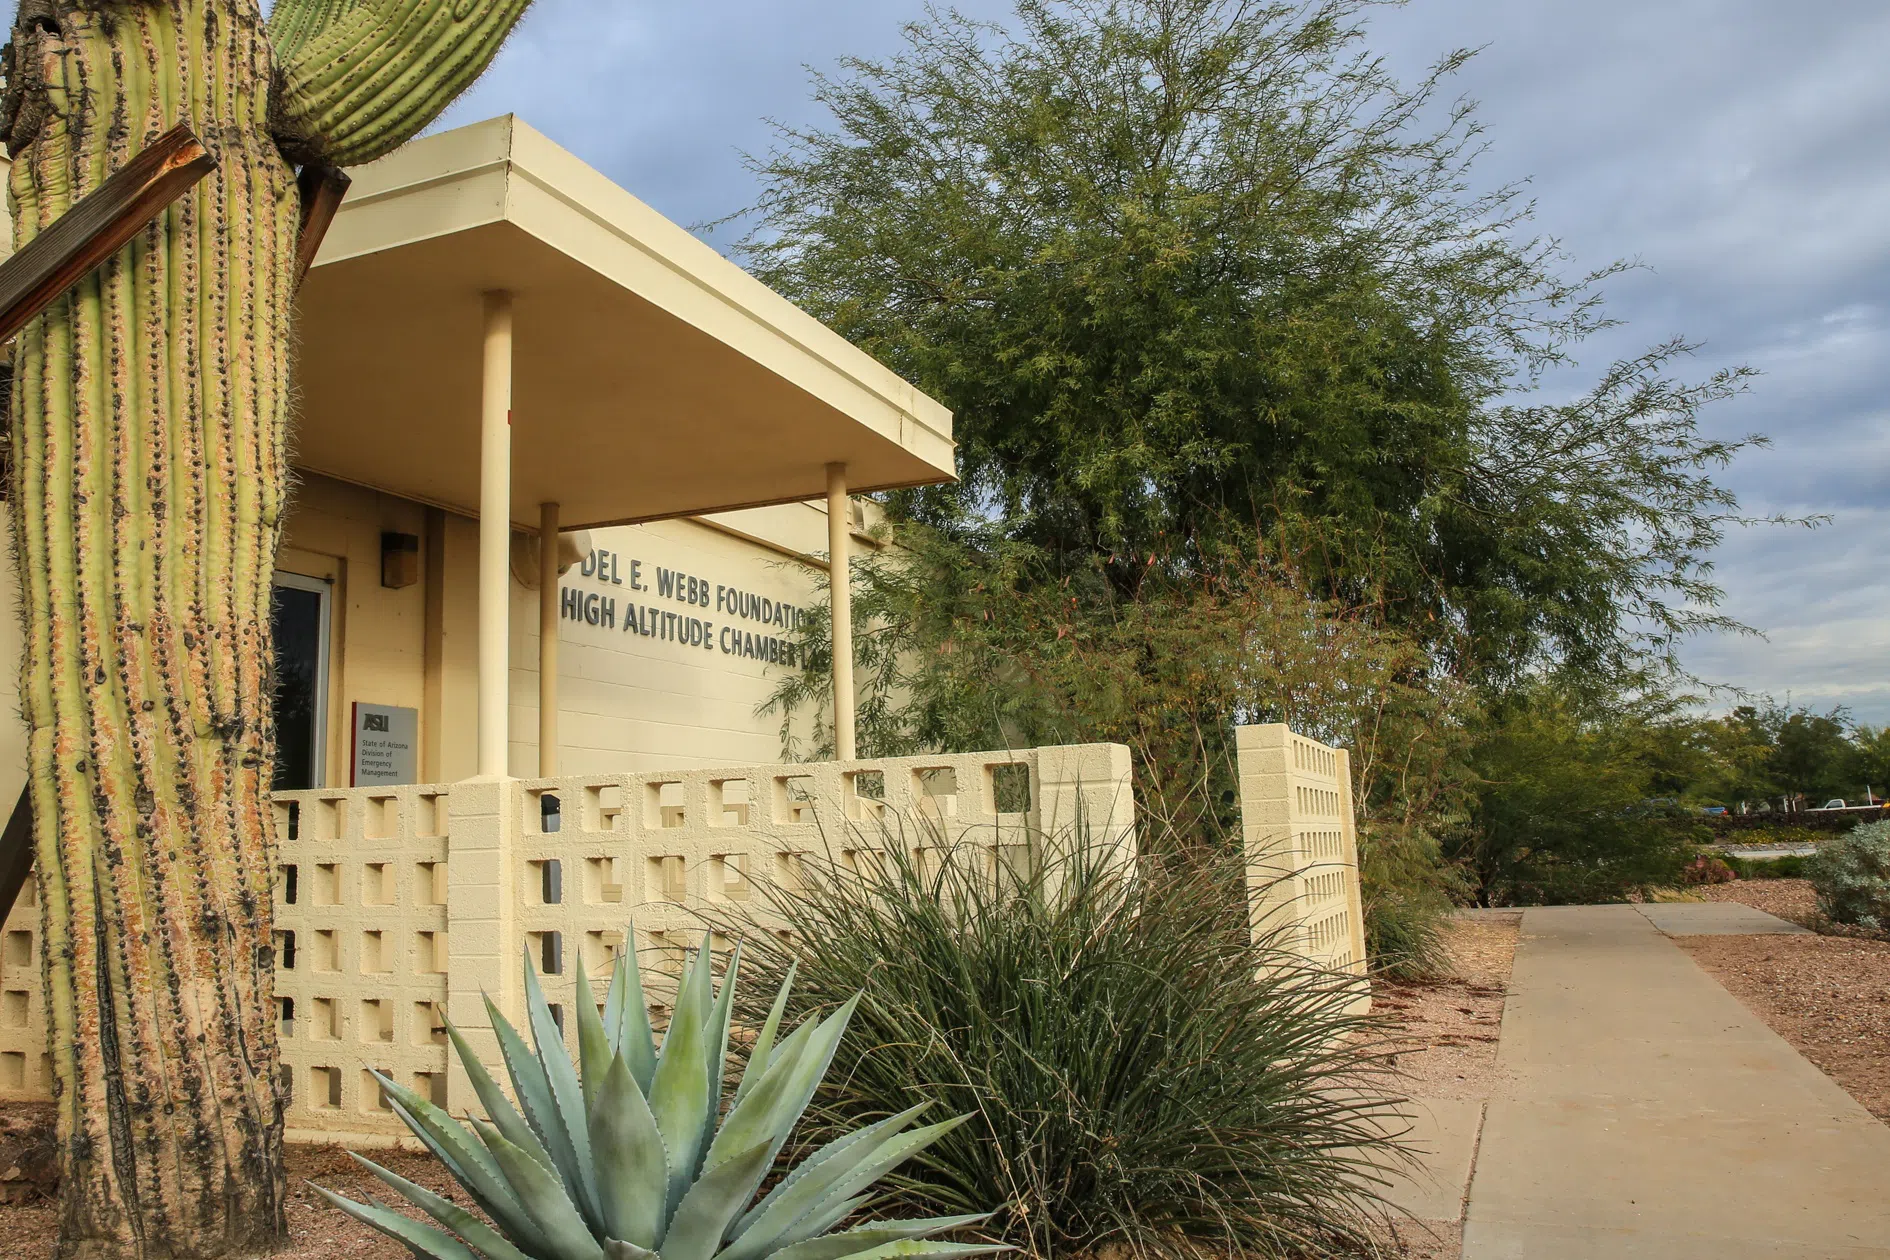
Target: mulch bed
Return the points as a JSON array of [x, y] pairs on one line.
[[1829, 996]]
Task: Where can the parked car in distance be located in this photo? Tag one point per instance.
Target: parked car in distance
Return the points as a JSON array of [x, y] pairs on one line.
[[1836, 802], [1712, 809]]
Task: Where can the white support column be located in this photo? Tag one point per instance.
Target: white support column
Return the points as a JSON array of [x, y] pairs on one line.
[[840, 586], [495, 534], [547, 640]]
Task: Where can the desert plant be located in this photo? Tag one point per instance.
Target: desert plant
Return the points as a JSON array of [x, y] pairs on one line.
[[624, 1159], [149, 451], [1851, 875], [1140, 1072], [1707, 869]]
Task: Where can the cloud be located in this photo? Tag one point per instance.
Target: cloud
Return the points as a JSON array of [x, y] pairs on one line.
[[1733, 147]]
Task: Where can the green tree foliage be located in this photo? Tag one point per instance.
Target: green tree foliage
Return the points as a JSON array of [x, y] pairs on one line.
[[1563, 812], [1193, 273]]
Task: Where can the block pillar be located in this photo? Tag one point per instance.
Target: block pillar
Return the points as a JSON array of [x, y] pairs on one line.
[[483, 944]]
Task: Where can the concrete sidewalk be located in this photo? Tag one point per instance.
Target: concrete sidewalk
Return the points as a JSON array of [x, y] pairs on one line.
[[1647, 1114]]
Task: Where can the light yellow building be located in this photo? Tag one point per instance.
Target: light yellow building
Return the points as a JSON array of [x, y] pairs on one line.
[[569, 480]]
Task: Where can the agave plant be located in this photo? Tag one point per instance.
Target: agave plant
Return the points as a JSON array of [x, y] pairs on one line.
[[626, 1160]]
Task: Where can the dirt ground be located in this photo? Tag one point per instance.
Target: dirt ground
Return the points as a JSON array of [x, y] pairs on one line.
[[1445, 1036], [1445, 1032], [1829, 996]]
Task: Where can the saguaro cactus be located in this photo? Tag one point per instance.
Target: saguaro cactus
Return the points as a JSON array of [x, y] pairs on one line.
[[149, 420]]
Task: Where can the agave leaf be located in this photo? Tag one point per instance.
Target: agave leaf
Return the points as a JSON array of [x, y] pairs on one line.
[[876, 1234], [888, 1157], [594, 1052], [488, 1241], [627, 1015], [760, 1055], [906, 1249], [545, 1198], [555, 1060], [796, 1209], [469, 1162], [632, 1167], [496, 1104], [717, 1041], [816, 1223], [703, 1217], [849, 1147], [535, 1097], [617, 1249], [422, 1240], [798, 1077], [679, 1090]]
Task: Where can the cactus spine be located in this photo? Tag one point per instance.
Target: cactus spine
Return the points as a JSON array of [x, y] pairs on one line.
[[149, 426]]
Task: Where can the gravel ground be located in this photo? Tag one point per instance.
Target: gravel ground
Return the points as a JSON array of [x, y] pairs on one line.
[[1829, 996], [1445, 1032], [316, 1231]]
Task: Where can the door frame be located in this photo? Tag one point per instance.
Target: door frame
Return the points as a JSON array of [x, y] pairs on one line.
[[325, 589]]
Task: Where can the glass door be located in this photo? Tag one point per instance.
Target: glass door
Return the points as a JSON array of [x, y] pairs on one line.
[[300, 619]]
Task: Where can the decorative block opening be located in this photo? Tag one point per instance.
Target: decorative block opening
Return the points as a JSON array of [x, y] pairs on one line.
[[324, 1088], [428, 1028], [285, 950], [14, 1007], [377, 884], [327, 952], [326, 1022], [935, 791], [663, 805], [374, 956], [793, 799], [787, 870], [431, 1086], [728, 877], [1008, 787], [603, 881], [666, 879], [865, 794], [286, 890], [13, 1070], [544, 812], [325, 888], [429, 953], [430, 814], [377, 1020], [545, 881], [600, 952], [19, 949], [373, 1097], [603, 807], [429, 883], [728, 802], [288, 821], [285, 1017], [322, 819], [381, 819], [548, 949]]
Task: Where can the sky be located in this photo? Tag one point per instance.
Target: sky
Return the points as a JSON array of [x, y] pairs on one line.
[[1735, 149]]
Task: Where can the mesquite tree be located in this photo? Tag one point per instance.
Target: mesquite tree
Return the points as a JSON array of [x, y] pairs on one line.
[[149, 424]]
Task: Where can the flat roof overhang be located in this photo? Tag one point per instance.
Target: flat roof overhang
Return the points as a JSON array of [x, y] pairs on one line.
[[652, 377]]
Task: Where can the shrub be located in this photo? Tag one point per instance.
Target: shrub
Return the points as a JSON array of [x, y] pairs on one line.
[[1791, 866], [1141, 1073], [1707, 869], [1852, 877]]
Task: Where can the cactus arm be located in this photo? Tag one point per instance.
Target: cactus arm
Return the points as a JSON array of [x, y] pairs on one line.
[[357, 78]]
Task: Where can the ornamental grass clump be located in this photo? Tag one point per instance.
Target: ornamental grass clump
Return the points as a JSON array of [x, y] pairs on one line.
[[631, 1158], [1139, 1073], [1851, 875]]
